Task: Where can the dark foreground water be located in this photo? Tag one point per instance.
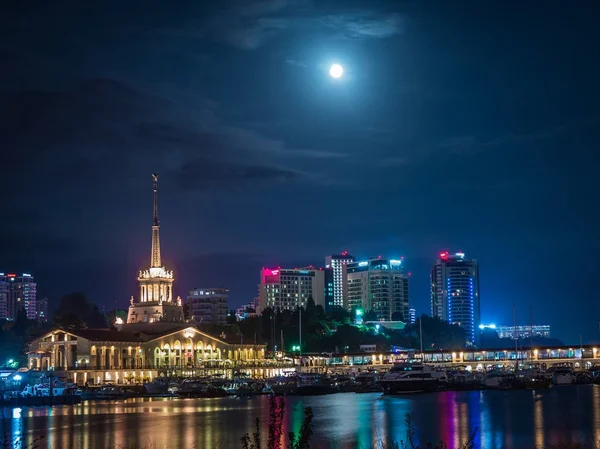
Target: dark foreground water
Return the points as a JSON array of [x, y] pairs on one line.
[[515, 419]]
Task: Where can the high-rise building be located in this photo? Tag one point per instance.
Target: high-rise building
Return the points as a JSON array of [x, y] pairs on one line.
[[328, 282], [155, 302], [42, 310], [377, 285], [336, 263], [412, 313], [208, 305], [455, 292], [16, 293], [287, 289], [520, 332]]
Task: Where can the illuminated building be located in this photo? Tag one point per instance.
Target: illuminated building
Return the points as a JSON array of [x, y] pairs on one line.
[[16, 293], [208, 305], [455, 292], [155, 342], [523, 332], [287, 289], [249, 310], [42, 310], [3, 296], [377, 285], [336, 263], [412, 313], [155, 302]]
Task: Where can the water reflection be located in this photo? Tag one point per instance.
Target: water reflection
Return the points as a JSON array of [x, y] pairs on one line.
[[348, 421]]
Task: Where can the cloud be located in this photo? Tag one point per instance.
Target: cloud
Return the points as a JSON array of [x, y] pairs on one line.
[[365, 24], [255, 35], [472, 143], [296, 63], [392, 162], [250, 25], [203, 174], [104, 129]]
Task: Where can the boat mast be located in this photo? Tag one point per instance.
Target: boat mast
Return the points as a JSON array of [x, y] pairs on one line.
[[421, 337], [516, 337], [531, 331]]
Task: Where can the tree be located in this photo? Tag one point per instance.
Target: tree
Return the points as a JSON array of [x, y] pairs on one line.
[[76, 312], [21, 323], [398, 316], [371, 315]]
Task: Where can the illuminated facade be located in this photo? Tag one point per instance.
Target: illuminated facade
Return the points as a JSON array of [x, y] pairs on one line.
[[208, 305], [412, 313], [377, 285], [98, 356], [16, 293], [287, 289], [155, 302], [153, 342], [455, 292], [522, 332], [336, 263]]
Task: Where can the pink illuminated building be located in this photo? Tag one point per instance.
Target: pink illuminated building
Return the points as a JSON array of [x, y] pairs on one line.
[[282, 288]]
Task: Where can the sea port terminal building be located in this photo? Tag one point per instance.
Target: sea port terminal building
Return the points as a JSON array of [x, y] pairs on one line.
[[154, 341], [140, 353]]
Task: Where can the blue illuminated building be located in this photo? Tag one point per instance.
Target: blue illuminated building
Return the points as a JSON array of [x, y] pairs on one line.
[[455, 292]]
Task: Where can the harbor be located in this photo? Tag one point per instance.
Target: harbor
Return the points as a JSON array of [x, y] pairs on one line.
[[519, 418]]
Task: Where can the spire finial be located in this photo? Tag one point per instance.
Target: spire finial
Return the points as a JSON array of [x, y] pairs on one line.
[[155, 185], [155, 259]]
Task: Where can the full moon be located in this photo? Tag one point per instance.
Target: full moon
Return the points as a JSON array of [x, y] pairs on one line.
[[336, 71]]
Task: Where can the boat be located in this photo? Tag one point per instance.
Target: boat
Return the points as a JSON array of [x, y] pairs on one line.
[[368, 382], [110, 392], [47, 388], [161, 386], [563, 376], [313, 385], [283, 385], [498, 380], [410, 378], [199, 389]]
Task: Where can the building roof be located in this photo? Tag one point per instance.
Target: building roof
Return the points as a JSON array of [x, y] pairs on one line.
[[109, 335]]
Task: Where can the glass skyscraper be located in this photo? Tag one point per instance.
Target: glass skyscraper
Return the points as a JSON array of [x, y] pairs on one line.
[[455, 292]]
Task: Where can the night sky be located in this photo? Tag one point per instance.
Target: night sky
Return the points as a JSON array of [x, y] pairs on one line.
[[457, 125]]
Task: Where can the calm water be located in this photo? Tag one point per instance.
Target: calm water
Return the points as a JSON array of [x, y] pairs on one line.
[[503, 419]]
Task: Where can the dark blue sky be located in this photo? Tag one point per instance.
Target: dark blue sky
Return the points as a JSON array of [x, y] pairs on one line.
[[467, 126]]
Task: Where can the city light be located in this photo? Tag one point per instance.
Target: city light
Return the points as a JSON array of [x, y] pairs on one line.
[[359, 312], [395, 262], [363, 264], [487, 326], [18, 377]]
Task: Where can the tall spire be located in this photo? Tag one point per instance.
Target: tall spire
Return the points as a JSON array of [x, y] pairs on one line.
[[155, 258]]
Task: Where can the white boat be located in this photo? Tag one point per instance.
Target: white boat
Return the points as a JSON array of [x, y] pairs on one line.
[[499, 379], [563, 376], [410, 378], [43, 389]]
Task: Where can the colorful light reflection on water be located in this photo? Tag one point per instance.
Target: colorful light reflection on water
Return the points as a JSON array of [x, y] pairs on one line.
[[349, 421]]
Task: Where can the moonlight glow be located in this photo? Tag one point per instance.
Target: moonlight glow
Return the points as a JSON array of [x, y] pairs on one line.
[[336, 71]]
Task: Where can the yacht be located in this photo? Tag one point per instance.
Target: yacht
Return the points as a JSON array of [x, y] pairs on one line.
[[191, 388], [367, 382], [410, 378], [44, 389], [498, 380], [313, 384], [563, 376]]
